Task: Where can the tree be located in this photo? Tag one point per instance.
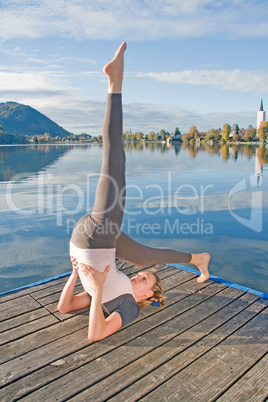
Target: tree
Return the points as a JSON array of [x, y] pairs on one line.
[[263, 131], [192, 133], [138, 136], [249, 133], [236, 137], [151, 135], [185, 137], [128, 136], [226, 132], [236, 128], [212, 134], [177, 131], [163, 135]]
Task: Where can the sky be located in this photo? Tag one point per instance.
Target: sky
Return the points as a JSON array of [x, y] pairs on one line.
[[188, 62]]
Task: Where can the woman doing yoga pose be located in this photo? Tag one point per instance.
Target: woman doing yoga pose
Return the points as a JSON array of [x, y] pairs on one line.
[[113, 299]]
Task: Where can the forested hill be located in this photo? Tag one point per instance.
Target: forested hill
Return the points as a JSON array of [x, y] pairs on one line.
[[25, 120]]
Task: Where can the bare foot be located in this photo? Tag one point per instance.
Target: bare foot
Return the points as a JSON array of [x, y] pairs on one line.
[[115, 69], [201, 261]]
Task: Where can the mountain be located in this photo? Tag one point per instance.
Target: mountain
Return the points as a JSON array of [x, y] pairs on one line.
[[25, 120]]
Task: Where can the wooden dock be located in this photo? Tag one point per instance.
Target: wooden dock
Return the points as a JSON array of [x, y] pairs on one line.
[[209, 343]]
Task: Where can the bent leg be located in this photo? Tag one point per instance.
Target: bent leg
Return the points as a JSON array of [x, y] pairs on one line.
[[143, 256]]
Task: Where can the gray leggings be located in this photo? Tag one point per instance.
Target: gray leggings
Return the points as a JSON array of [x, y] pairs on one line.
[[101, 228]]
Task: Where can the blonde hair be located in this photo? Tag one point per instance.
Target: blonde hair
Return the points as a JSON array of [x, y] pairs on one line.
[[158, 292]]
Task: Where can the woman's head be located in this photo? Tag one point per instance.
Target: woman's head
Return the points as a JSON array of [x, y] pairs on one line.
[[147, 288]]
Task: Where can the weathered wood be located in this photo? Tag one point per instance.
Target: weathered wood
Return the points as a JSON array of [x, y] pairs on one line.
[[253, 386], [32, 289], [23, 319], [112, 361], [20, 305], [24, 365], [34, 341], [206, 331], [184, 355], [217, 368], [27, 328], [188, 334]]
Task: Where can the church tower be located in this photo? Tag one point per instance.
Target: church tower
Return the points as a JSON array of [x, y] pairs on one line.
[[260, 116]]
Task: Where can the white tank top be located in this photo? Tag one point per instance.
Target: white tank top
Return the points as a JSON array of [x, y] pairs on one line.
[[116, 283]]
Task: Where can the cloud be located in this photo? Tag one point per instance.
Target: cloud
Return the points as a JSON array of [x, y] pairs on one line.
[[53, 93], [240, 80], [134, 20]]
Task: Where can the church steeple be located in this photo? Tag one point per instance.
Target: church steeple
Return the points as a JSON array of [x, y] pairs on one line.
[[260, 116]]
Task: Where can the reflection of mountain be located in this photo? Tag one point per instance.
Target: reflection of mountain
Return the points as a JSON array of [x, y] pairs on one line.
[[29, 159], [24, 120]]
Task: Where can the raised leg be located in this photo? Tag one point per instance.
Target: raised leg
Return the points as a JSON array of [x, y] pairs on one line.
[[101, 228], [143, 256]]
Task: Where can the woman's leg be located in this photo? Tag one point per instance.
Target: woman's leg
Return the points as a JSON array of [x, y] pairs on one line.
[[101, 228], [143, 256]]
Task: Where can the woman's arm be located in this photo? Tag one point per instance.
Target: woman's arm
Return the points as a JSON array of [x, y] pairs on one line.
[[98, 326], [68, 301]]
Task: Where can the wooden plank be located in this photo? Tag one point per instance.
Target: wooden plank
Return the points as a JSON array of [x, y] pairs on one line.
[[206, 376], [163, 363], [18, 306], [23, 319], [253, 386], [43, 337], [95, 369], [190, 333], [27, 328], [45, 355], [31, 289]]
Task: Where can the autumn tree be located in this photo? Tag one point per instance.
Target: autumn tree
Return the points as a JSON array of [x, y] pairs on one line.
[[138, 136], [263, 131], [128, 136], [226, 132], [212, 134], [249, 133], [151, 135], [192, 133]]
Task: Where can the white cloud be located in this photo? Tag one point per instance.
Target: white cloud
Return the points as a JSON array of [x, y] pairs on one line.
[[51, 93], [239, 80], [136, 20]]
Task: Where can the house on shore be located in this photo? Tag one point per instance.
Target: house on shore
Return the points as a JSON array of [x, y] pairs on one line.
[[174, 139]]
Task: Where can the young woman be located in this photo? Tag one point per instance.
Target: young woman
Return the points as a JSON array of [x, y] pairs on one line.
[[113, 299]]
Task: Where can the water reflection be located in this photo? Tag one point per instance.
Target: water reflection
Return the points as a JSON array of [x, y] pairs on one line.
[[34, 247], [32, 159], [226, 151], [27, 159]]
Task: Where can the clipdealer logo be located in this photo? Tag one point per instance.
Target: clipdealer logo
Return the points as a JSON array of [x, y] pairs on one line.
[[255, 220]]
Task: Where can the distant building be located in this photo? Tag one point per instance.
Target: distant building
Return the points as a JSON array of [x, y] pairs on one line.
[[174, 138], [260, 116]]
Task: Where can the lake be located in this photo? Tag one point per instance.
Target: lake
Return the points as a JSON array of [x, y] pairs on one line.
[[191, 198]]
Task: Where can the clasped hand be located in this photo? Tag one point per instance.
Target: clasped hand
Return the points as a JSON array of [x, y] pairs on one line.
[[96, 277]]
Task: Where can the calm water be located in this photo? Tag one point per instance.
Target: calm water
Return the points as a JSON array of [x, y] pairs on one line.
[[192, 199]]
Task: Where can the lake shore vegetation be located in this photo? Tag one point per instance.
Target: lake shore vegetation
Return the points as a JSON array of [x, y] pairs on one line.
[[226, 134]]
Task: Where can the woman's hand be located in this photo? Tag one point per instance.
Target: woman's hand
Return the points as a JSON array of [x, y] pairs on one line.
[[75, 265], [97, 277]]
